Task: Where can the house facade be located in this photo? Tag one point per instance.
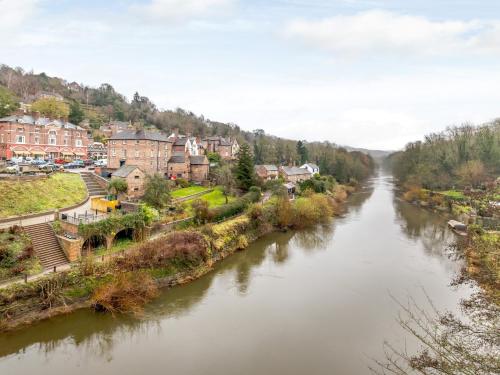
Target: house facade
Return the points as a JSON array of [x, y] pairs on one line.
[[148, 150], [114, 127], [41, 137], [267, 172], [190, 167], [295, 174], [227, 149], [135, 179], [311, 167], [97, 150]]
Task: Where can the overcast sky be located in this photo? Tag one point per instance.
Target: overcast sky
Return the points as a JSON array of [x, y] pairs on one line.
[[365, 73]]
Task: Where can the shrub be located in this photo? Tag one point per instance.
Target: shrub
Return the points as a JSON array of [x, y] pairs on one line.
[[200, 209], [183, 183], [127, 293], [237, 206]]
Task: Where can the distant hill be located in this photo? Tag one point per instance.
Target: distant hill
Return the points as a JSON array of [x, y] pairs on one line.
[[376, 154]]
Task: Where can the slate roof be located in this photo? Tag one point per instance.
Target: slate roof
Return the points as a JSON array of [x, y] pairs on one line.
[[140, 135], [198, 160], [177, 157], [270, 168], [124, 171], [294, 171], [41, 121], [180, 142]]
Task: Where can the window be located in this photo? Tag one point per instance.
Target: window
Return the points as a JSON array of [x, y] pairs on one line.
[[152, 154], [78, 143], [124, 142], [159, 154], [137, 154], [113, 152], [114, 142], [37, 140], [20, 130], [66, 132], [20, 139], [137, 177], [78, 134], [37, 130], [65, 141], [52, 137], [136, 189], [124, 153]]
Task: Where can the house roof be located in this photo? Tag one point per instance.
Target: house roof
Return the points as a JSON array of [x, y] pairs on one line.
[[198, 160], [270, 168], [294, 171], [41, 121], [124, 171], [180, 142], [140, 135], [177, 157]]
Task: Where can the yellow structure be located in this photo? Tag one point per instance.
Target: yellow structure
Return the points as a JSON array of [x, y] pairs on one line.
[[103, 204]]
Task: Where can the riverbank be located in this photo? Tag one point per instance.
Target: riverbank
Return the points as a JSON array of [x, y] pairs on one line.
[[174, 259]]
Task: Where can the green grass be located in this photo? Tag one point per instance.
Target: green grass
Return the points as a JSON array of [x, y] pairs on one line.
[[185, 192], [214, 198], [25, 197], [454, 194]]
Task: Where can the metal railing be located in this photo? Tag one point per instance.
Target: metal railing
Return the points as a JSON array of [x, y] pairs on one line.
[[83, 218]]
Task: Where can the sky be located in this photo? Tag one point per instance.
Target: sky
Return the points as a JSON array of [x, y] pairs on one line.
[[364, 73]]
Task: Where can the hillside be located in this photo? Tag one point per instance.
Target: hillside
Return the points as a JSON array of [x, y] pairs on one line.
[[93, 107]]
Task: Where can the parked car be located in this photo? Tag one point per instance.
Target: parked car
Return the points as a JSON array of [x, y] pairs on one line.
[[59, 161], [49, 167], [71, 165], [13, 168], [88, 162], [38, 162], [101, 163]]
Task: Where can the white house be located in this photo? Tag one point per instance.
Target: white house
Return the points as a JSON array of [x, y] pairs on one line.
[[311, 167]]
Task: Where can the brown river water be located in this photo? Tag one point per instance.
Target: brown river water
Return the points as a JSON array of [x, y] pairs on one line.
[[309, 302]]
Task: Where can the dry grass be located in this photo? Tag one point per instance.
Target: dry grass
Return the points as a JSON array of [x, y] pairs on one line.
[[126, 293]]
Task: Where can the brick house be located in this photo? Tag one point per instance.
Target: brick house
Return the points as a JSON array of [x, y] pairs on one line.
[[135, 179], [114, 127], [148, 150], [199, 168], [294, 174], [185, 144], [267, 171], [179, 166], [227, 149], [35, 136]]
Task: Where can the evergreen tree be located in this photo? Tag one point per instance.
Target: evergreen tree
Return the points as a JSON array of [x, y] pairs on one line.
[[245, 168], [7, 102], [302, 151], [76, 114]]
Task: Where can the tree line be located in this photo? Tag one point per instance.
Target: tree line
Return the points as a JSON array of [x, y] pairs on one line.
[[465, 155]]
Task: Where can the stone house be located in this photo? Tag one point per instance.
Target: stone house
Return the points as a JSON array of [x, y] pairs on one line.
[[148, 150], [311, 167], [97, 150], [135, 179], [199, 168], [267, 171], [42, 137], [295, 174]]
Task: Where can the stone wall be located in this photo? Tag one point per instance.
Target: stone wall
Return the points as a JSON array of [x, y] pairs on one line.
[[72, 248]]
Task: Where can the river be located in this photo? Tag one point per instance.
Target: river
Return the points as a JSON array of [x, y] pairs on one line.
[[309, 302]]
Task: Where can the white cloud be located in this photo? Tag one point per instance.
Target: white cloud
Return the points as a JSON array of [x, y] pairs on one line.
[[382, 32], [180, 10], [14, 12]]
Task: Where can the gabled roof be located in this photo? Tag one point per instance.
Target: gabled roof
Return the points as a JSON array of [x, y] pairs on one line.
[[124, 171], [177, 157], [198, 160], [140, 135], [294, 171], [268, 167], [180, 142]]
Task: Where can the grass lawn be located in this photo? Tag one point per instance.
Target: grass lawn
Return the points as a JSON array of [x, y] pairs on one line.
[[214, 198], [58, 191], [184, 192]]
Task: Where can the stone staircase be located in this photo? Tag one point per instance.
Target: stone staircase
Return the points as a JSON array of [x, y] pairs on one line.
[[46, 246], [93, 186]]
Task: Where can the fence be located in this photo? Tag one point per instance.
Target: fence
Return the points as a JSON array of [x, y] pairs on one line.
[[83, 218]]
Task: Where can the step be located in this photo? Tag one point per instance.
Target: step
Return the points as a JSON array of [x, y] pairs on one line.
[[46, 246]]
